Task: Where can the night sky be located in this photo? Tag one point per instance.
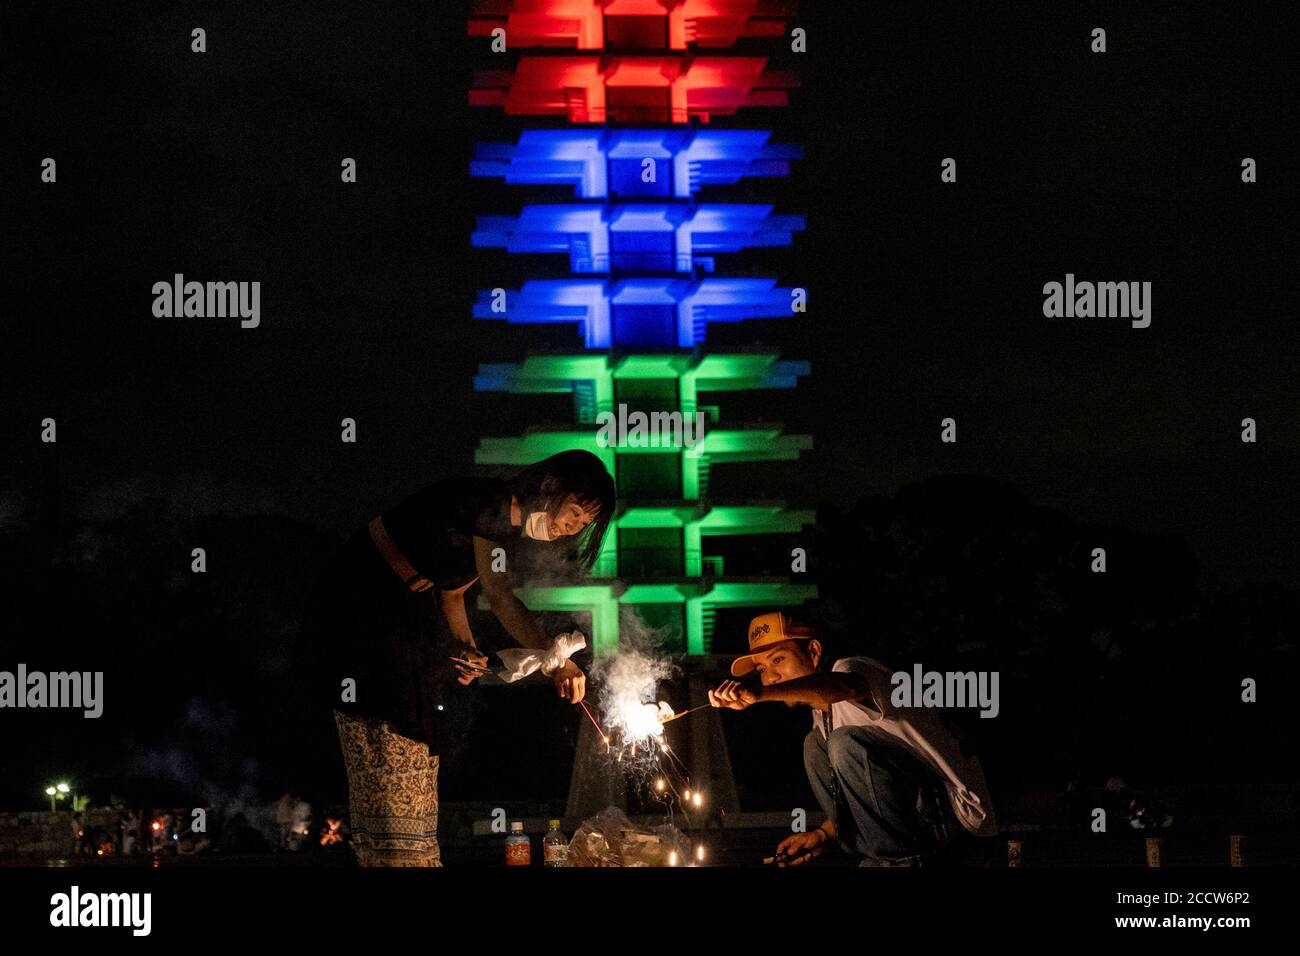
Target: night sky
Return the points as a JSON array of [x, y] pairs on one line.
[[925, 298]]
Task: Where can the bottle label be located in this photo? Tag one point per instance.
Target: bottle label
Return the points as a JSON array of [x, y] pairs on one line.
[[555, 854], [518, 854]]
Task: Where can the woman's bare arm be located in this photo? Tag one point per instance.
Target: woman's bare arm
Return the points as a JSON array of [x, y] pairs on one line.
[[521, 623], [453, 607], [498, 587]]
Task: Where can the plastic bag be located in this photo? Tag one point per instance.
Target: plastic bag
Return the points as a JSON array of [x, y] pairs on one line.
[[522, 661], [611, 839]]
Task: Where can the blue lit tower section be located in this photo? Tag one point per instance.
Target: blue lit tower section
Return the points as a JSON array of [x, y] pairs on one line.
[[644, 248]]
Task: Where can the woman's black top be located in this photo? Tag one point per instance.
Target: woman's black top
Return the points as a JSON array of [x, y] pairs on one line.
[[394, 643]]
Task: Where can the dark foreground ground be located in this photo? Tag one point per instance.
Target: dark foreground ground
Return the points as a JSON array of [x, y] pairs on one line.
[[748, 847]]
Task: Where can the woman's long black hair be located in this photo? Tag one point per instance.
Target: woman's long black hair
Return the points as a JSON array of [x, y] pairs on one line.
[[545, 485]]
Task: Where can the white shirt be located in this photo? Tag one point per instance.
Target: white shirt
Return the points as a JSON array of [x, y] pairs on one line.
[[922, 733]]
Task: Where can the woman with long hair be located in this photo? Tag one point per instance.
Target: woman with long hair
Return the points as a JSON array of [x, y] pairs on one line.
[[392, 615]]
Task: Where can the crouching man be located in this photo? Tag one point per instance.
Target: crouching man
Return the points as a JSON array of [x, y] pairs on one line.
[[893, 782]]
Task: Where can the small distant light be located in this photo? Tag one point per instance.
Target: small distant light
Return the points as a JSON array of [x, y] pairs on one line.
[[686, 795], [440, 706], [699, 853], [697, 799], [63, 788], [51, 791]]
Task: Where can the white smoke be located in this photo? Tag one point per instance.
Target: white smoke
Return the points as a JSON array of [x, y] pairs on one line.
[[632, 714]]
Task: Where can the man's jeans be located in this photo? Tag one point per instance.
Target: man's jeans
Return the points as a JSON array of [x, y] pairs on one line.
[[887, 806]]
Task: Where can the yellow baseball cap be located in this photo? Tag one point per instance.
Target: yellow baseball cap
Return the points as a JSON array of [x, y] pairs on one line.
[[765, 631]]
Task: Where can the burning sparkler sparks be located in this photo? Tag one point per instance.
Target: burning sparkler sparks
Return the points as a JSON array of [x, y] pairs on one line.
[[629, 683]]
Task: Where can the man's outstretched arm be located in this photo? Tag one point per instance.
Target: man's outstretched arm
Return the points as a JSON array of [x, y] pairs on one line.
[[815, 690]]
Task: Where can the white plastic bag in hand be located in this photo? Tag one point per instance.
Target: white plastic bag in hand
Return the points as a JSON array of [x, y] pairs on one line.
[[522, 661]]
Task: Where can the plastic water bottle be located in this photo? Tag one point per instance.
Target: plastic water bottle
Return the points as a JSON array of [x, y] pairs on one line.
[[519, 849], [555, 848]]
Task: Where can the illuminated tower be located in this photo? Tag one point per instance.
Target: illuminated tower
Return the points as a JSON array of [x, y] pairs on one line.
[[641, 264]]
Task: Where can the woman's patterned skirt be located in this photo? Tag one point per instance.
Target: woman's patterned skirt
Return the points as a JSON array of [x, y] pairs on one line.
[[392, 794]]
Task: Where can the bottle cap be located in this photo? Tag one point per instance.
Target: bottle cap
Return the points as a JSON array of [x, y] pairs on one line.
[[555, 824], [517, 826]]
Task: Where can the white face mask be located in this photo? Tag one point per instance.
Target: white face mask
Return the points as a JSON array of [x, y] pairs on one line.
[[538, 527]]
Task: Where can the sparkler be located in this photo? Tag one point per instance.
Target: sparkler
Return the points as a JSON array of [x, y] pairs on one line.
[[685, 712], [603, 736]]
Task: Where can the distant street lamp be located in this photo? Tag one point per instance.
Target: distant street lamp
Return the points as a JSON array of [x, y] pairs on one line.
[[57, 792]]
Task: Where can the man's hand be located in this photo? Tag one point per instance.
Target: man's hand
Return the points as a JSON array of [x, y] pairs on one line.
[[467, 675], [732, 694], [570, 681], [799, 848]]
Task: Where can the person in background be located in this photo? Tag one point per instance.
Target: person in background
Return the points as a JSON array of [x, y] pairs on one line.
[[78, 835]]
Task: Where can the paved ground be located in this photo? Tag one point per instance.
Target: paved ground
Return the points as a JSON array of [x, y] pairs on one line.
[[749, 847]]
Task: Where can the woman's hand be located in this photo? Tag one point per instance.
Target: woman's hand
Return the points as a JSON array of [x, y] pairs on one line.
[[467, 675], [570, 681]]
